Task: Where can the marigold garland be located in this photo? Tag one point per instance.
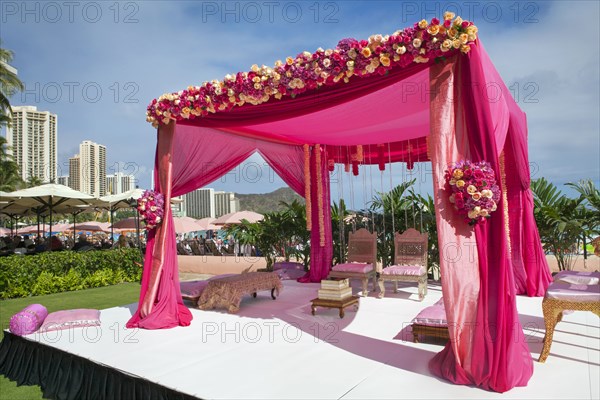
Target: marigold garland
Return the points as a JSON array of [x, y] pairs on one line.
[[320, 196], [423, 43], [307, 199]]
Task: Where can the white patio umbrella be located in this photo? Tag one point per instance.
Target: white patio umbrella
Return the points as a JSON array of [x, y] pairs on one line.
[[50, 195], [237, 217]]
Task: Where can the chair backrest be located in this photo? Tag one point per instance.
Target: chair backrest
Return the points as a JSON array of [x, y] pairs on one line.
[[410, 248], [362, 246]]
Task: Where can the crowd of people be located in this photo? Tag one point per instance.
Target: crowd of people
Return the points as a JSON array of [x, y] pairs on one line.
[[31, 244]]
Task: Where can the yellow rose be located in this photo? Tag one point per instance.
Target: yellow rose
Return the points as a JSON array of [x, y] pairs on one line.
[[352, 53], [423, 24], [476, 196], [487, 193], [458, 21], [452, 181], [456, 44], [472, 214], [446, 45], [457, 173], [421, 60], [494, 206], [417, 42], [471, 189], [484, 213], [460, 183], [472, 38], [464, 38], [350, 64], [385, 60], [452, 33], [366, 52], [471, 30], [289, 60], [433, 30], [465, 48], [448, 15], [326, 62], [401, 50]]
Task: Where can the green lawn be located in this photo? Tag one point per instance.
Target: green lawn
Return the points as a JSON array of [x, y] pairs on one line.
[[98, 298]]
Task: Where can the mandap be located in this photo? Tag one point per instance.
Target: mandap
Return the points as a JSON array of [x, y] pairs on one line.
[[425, 93]]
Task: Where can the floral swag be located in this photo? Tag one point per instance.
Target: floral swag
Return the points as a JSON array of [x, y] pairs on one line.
[[473, 190], [151, 207], [422, 43]]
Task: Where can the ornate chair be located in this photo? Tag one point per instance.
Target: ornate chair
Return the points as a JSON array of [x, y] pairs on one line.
[[562, 296], [410, 262], [362, 259]]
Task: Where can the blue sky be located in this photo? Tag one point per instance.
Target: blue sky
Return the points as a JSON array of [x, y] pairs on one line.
[[98, 64]]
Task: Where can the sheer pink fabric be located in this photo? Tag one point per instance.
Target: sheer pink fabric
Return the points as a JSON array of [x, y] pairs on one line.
[[459, 264]]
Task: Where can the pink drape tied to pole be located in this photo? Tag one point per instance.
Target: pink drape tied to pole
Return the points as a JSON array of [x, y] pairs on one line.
[[500, 358]]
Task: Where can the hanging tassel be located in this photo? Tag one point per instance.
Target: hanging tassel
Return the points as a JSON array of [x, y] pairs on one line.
[[346, 167], [359, 153], [307, 186], [330, 165], [353, 159], [410, 165], [320, 196], [380, 157]]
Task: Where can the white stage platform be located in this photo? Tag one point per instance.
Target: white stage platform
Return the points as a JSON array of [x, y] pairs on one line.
[[278, 350]]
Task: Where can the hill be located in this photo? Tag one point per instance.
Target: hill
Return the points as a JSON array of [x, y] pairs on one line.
[[268, 202]]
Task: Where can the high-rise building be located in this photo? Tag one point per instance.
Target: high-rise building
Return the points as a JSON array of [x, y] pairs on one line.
[[225, 203], [119, 183], [32, 138], [92, 177], [75, 172], [63, 180], [200, 203]]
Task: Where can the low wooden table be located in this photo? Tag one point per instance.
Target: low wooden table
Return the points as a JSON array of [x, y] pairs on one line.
[[340, 304]]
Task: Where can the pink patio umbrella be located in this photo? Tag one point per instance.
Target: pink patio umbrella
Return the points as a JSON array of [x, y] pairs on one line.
[[206, 224], [127, 224], [4, 231], [92, 226], [237, 217], [186, 224]]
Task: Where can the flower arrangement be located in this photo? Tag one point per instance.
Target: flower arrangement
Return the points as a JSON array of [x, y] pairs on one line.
[[423, 43], [473, 188], [151, 207]]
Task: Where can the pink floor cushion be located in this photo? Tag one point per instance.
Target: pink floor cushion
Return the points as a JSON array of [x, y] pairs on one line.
[[573, 292], [353, 267], [431, 316], [578, 277], [412, 270], [28, 320], [290, 274], [287, 265], [192, 289], [77, 318]]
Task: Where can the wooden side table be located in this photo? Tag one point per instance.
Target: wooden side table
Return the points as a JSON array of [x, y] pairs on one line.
[[339, 304]]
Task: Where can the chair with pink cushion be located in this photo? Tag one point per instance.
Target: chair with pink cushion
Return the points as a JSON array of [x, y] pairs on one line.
[[361, 260], [410, 262]]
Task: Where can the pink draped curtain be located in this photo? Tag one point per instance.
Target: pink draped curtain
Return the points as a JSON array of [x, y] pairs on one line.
[[500, 358]]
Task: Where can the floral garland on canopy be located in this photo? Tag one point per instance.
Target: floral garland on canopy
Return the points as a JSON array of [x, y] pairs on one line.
[[151, 206], [473, 188], [424, 42]]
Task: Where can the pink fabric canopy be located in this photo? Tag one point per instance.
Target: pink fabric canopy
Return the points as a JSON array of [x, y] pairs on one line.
[[424, 111]]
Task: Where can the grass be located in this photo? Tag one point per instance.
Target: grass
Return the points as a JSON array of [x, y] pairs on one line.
[[98, 298]]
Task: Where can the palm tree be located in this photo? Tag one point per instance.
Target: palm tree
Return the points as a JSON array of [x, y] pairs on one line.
[[9, 85], [10, 178], [560, 221], [589, 210]]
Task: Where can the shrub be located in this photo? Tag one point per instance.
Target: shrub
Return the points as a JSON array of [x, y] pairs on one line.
[[54, 272]]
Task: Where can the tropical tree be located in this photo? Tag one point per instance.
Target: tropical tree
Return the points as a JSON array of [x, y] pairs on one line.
[[560, 221], [9, 85], [10, 179], [589, 210]]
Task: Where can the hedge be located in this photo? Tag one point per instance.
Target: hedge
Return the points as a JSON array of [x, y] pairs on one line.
[[55, 272]]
